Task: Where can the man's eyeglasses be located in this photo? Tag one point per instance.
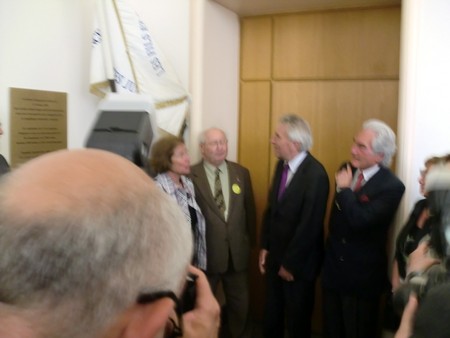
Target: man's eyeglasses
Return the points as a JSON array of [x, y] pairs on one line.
[[174, 328]]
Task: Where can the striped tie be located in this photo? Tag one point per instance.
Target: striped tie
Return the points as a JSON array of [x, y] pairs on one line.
[[218, 194]]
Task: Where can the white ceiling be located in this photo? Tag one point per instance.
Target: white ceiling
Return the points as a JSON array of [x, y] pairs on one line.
[[261, 7]]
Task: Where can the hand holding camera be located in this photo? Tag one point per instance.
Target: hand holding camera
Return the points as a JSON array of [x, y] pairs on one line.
[[423, 273], [189, 294], [204, 319]]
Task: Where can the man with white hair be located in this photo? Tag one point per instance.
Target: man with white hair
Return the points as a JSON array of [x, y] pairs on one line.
[[355, 269], [292, 231], [90, 247], [224, 192]]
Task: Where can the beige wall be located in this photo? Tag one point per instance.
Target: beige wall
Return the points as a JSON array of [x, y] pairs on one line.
[[424, 109], [214, 73]]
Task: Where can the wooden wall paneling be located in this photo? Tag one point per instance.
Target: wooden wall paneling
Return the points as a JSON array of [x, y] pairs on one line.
[[350, 44], [254, 135], [335, 111], [256, 48], [297, 39], [254, 154], [380, 43], [336, 69]]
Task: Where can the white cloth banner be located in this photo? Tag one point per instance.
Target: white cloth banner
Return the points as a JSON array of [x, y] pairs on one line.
[[125, 58]]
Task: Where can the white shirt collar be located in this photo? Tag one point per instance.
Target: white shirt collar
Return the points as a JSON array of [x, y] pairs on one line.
[[296, 161], [369, 172]]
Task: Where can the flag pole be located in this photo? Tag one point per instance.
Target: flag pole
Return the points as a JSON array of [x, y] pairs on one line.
[[106, 46], [130, 60]]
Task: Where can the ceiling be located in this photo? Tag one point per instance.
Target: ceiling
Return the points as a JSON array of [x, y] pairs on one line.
[[262, 7]]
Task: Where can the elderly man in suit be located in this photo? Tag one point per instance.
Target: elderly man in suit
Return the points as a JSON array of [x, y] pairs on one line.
[[355, 269], [292, 233], [225, 195]]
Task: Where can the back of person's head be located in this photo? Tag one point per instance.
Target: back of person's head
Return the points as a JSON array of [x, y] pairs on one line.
[[384, 141], [434, 160], [162, 152], [437, 187], [82, 234], [446, 159], [298, 130]]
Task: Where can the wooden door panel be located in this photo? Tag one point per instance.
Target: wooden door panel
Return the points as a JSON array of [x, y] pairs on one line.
[[351, 44], [335, 111], [254, 153], [256, 48]]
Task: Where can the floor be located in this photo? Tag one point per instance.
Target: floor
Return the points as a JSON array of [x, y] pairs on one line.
[[257, 333]]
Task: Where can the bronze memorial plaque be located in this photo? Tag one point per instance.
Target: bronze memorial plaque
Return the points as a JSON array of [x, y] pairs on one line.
[[38, 123]]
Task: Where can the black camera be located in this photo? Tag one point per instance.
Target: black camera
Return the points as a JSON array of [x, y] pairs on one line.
[[189, 295]]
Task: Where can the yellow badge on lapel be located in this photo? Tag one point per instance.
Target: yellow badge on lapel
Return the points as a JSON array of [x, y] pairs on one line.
[[236, 189]]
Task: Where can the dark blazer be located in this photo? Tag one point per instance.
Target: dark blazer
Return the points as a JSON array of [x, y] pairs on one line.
[[355, 254], [4, 166], [234, 235], [292, 229]]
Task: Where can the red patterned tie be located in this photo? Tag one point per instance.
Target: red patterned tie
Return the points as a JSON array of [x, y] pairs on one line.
[[359, 181]]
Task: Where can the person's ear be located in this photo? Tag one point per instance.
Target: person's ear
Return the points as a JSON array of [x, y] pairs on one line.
[[143, 320]]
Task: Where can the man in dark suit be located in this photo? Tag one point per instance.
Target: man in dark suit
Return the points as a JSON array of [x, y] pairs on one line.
[[225, 195], [355, 269], [292, 231]]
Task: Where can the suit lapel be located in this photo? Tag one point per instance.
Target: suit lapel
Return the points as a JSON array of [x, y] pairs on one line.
[[233, 181], [202, 182], [204, 188], [297, 178], [374, 182], [276, 184]]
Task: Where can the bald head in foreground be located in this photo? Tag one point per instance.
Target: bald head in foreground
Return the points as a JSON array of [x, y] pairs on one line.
[[90, 247]]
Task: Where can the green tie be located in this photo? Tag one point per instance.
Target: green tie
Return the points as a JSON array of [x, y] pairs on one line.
[[218, 194]]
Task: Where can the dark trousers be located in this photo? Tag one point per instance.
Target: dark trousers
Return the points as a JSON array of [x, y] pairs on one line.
[[347, 316], [289, 306], [235, 288]]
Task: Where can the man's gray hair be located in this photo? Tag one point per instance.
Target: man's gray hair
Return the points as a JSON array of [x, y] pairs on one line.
[[384, 141], [79, 268], [298, 130]]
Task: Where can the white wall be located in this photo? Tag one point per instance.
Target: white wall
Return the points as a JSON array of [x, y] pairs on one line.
[[46, 44], [215, 67], [424, 110]]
